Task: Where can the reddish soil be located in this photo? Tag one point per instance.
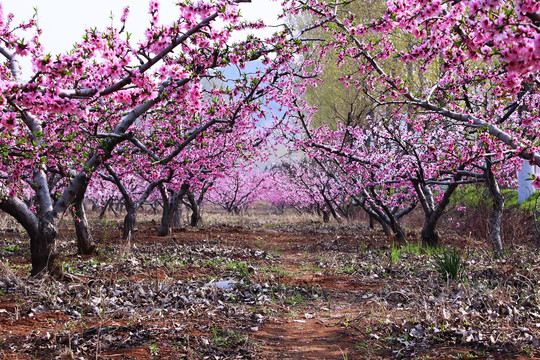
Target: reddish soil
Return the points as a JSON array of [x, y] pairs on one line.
[[327, 293]]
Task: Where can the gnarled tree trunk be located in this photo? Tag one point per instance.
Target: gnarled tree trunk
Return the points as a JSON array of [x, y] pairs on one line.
[[85, 242], [43, 248], [429, 234], [195, 210], [170, 207], [432, 212], [177, 217]]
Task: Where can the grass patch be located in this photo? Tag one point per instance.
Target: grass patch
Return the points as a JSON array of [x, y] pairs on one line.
[[449, 264]]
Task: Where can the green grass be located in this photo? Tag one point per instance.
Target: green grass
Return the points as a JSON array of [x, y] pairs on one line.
[[311, 268], [511, 200], [449, 264], [11, 248], [412, 248], [278, 271], [395, 253]]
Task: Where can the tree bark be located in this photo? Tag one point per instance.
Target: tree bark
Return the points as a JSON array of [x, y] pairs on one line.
[[43, 248], [129, 223], [326, 216], [430, 236], [432, 213], [177, 217], [85, 242], [195, 210], [386, 229], [170, 205], [398, 231], [495, 220]]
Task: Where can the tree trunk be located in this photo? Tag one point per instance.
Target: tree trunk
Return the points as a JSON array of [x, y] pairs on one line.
[[326, 216], [399, 233], [170, 206], [85, 242], [432, 213], [165, 229], [386, 229], [154, 204], [195, 210], [129, 224], [177, 217], [195, 217], [498, 208], [430, 236], [43, 248]]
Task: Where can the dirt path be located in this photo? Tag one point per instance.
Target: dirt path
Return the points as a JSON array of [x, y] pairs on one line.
[[305, 292]]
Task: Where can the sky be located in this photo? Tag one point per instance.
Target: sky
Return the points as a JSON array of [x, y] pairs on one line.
[[63, 21]]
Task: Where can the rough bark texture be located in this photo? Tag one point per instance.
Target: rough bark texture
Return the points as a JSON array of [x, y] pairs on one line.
[[165, 228], [195, 210], [129, 224], [495, 219], [177, 217], [399, 233], [430, 236], [85, 242], [170, 206], [386, 229], [43, 248]]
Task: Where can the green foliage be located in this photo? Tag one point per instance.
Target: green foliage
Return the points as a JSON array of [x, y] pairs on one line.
[[395, 253], [242, 269], [511, 200], [11, 248], [336, 102], [346, 269], [412, 248], [227, 338], [449, 264], [278, 271], [471, 196]]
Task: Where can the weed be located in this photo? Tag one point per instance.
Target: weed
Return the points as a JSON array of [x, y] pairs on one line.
[[153, 349], [227, 338], [280, 272], [68, 267], [413, 249], [310, 268], [395, 253], [214, 262], [11, 248], [363, 247], [346, 269], [449, 264], [295, 299], [242, 269]]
